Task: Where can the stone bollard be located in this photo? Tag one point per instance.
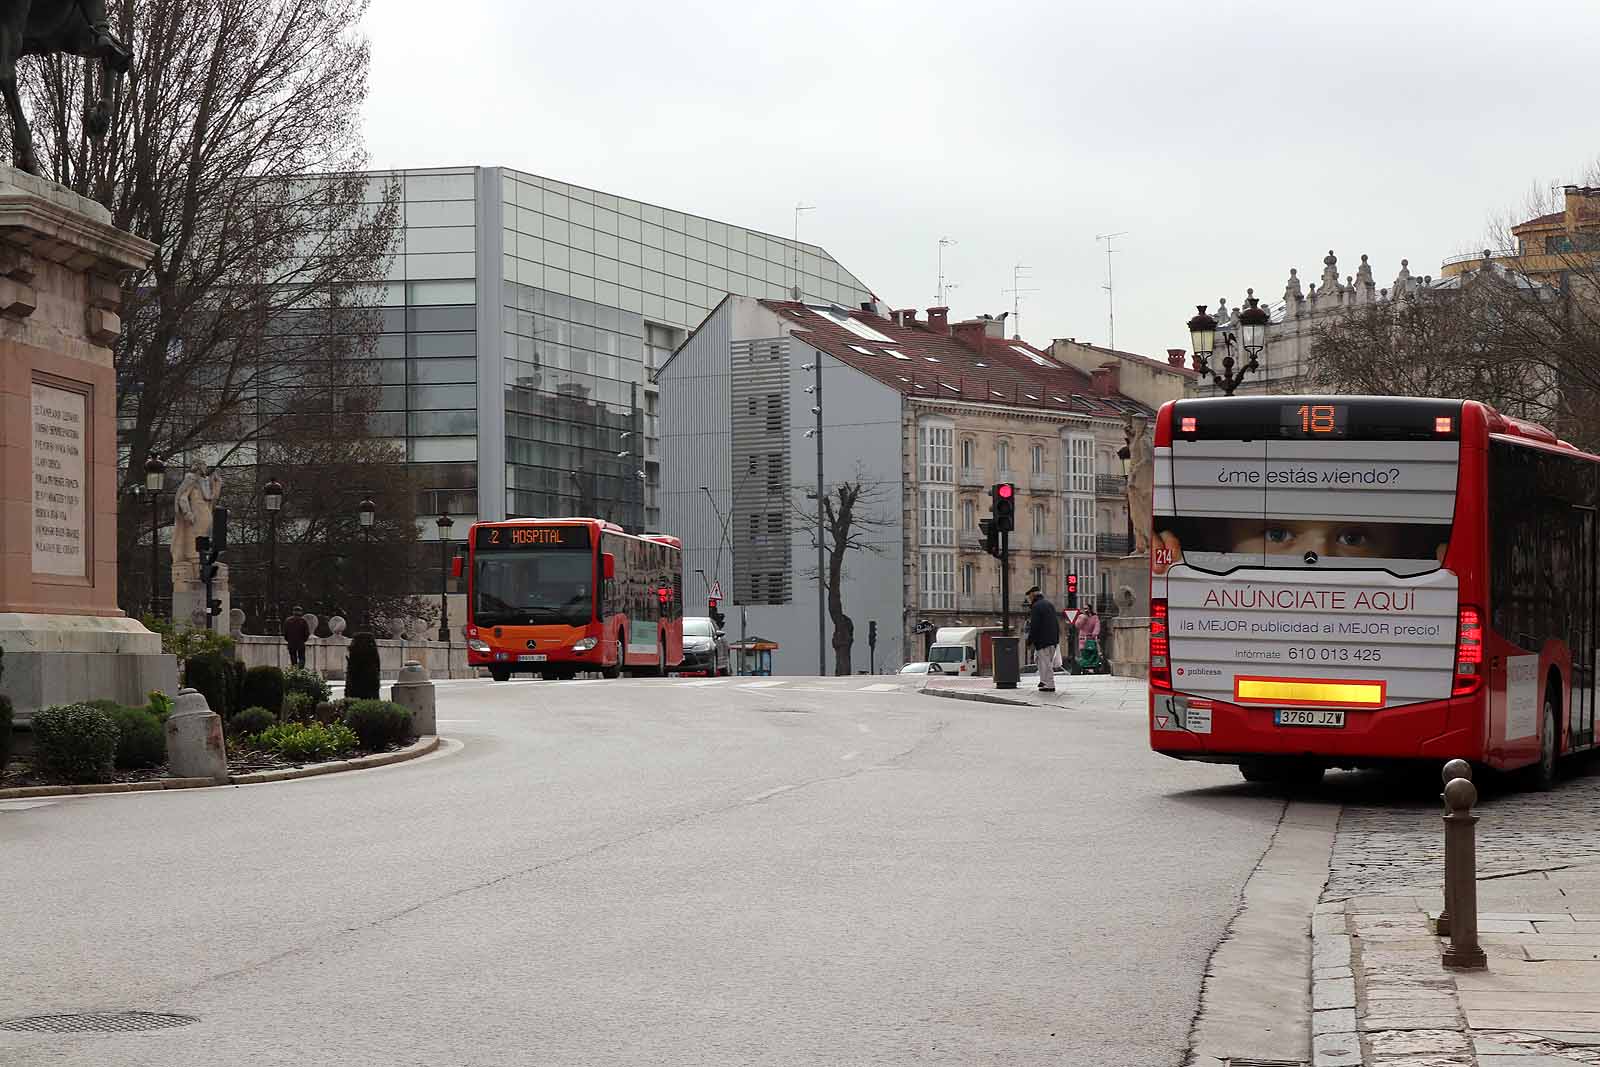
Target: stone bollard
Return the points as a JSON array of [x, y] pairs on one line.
[[1456, 768], [194, 739], [1460, 876], [414, 691]]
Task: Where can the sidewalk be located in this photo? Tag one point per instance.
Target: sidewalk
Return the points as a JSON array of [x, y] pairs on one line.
[[1072, 691], [1381, 996]]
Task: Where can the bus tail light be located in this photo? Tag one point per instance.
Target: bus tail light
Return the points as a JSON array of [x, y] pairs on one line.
[[1469, 652], [1160, 647]]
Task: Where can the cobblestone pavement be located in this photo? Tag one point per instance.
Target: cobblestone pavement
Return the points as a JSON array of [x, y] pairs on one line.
[[1390, 838]]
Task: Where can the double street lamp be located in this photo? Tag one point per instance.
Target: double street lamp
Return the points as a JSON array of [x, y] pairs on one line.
[[272, 500], [444, 522], [155, 478], [367, 512], [1252, 338]]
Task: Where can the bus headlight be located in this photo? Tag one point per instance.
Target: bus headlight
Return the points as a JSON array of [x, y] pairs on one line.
[[584, 644], [477, 644]]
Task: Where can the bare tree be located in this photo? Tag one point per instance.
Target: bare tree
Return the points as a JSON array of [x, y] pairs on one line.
[[849, 517]]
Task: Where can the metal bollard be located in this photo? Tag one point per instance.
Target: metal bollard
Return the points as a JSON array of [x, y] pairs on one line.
[[1460, 877], [1456, 768]]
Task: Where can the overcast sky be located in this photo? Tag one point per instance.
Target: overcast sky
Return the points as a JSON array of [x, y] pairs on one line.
[[1231, 141]]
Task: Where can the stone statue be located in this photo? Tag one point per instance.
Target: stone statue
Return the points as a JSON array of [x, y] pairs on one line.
[[48, 27], [1141, 483], [197, 498]]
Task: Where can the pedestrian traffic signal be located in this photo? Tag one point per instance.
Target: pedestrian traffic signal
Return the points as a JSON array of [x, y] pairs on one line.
[[1003, 498], [214, 607], [991, 537], [219, 531], [1072, 590], [872, 633]]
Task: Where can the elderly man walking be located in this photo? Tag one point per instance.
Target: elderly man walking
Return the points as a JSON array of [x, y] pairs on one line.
[[1044, 634]]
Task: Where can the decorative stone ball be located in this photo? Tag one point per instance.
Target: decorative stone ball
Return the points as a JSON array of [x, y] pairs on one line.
[[416, 629], [1460, 795], [311, 622], [337, 625], [235, 620], [1457, 768]]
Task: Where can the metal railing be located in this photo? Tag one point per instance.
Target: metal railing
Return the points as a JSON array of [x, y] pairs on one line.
[[1494, 253], [1113, 544]]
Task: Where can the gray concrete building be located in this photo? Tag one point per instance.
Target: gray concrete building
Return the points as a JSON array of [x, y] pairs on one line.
[[524, 318]]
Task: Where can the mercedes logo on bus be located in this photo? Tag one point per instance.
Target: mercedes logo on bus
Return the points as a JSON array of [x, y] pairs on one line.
[[1311, 559], [530, 644]]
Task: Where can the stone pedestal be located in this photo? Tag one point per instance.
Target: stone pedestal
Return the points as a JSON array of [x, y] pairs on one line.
[[189, 596], [64, 637], [194, 739], [413, 690], [1129, 581]]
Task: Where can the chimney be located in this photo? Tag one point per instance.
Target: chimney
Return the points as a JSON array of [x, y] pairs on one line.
[[1175, 356], [939, 318], [894, 317], [909, 316], [1107, 379], [970, 334], [995, 328]]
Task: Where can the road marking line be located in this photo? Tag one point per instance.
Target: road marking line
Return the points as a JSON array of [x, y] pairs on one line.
[[704, 681], [879, 687], [760, 685], [25, 805]]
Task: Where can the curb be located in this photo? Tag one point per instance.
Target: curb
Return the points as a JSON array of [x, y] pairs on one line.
[[982, 698], [420, 747]]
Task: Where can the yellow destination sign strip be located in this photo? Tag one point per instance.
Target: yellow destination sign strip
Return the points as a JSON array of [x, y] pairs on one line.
[[1308, 692]]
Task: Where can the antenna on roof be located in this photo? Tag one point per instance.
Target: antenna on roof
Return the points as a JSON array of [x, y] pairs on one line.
[[1111, 308], [1017, 292], [796, 291], [939, 297]]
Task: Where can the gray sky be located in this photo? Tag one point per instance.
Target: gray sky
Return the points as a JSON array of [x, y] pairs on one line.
[[1231, 140]]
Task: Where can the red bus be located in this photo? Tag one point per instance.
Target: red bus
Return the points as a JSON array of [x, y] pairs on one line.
[[1342, 581], [557, 596]]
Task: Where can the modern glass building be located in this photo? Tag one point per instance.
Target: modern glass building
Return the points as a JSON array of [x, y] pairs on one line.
[[524, 319]]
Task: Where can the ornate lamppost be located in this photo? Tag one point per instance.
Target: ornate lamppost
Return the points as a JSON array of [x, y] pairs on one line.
[[155, 478], [444, 522], [1252, 338], [367, 511], [272, 500]]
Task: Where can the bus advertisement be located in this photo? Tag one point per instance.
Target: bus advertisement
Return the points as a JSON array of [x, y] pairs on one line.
[[554, 597], [1352, 581]]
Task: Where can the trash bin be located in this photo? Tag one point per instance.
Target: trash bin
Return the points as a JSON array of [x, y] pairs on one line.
[[1007, 667]]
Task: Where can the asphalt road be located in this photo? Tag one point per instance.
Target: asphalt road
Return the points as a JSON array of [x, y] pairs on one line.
[[650, 872]]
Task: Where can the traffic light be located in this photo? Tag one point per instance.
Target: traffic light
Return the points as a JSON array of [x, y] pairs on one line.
[[991, 537], [664, 594], [219, 531], [717, 618], [213, 607], [1004, 506], [872, 633], [1072, 590]]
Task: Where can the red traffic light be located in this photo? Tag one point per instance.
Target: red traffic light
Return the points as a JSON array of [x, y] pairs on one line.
[[1072, 583], [664, 594], [1004, 490]]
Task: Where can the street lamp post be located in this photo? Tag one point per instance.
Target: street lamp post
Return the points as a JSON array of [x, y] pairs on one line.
[[444, 522], [367, 511], [1252, 338], [272, 500], [155, 476]]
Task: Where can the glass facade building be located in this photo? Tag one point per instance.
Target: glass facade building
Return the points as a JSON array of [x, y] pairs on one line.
[[524, 319]]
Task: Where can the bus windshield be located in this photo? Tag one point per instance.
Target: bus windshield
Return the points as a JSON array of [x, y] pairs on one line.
[[529, 588]]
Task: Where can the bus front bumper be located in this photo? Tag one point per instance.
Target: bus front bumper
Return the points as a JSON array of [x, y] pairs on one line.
[[1439, 729]]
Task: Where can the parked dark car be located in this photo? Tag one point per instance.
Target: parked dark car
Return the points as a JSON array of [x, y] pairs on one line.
[[705, 648]]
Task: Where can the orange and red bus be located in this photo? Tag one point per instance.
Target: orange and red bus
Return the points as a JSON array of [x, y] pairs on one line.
[[554, 597], [1343, 581]]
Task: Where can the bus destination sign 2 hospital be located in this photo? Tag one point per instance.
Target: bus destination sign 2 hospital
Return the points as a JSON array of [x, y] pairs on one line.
[[492, 538]]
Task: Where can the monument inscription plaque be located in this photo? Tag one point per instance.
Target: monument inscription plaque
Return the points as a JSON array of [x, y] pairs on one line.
[[60, 474]]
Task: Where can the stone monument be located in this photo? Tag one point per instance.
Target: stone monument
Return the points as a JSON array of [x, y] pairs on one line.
[[198, 497], [1141, 483], [64, 637]]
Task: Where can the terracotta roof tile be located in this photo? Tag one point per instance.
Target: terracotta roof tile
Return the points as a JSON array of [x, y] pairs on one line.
[[921, 360]]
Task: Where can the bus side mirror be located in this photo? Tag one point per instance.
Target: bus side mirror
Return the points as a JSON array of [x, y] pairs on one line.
[[609, 565], [457, 565]]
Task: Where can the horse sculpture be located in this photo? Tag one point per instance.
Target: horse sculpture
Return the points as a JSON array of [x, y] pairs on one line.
[[47, 27]]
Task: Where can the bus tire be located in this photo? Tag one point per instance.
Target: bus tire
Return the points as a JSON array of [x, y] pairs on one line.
[[1544, 772], [615, 669], [1281, 770], [500, 674]]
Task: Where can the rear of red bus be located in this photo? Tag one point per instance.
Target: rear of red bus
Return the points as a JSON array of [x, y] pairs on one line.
[[533, 589], [1318, 582]]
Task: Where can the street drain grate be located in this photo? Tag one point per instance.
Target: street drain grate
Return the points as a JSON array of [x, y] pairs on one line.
[[96, 1022]]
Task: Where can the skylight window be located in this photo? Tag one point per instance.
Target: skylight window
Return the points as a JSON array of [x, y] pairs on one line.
[[930, 359], [854, 325], [1040, 361], [981, 363], [1082, 402], [863, 351], [1002, 396], [1058, 399], [898, 355], [950, 387], [1030, 396]]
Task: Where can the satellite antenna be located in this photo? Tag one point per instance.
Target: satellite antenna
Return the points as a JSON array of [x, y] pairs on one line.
[[795, 290], [1111, 308], [1017, 292], [939, 297]]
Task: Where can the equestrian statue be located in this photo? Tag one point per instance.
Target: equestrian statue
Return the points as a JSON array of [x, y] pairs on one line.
[[47, 27]]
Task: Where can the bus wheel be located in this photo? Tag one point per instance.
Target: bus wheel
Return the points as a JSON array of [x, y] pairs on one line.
[[1544, 772], [1281, 770], [500, 674], [615, 670]]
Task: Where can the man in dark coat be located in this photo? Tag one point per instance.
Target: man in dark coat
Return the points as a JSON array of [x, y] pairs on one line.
[[296, 632], [1044, 634]]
